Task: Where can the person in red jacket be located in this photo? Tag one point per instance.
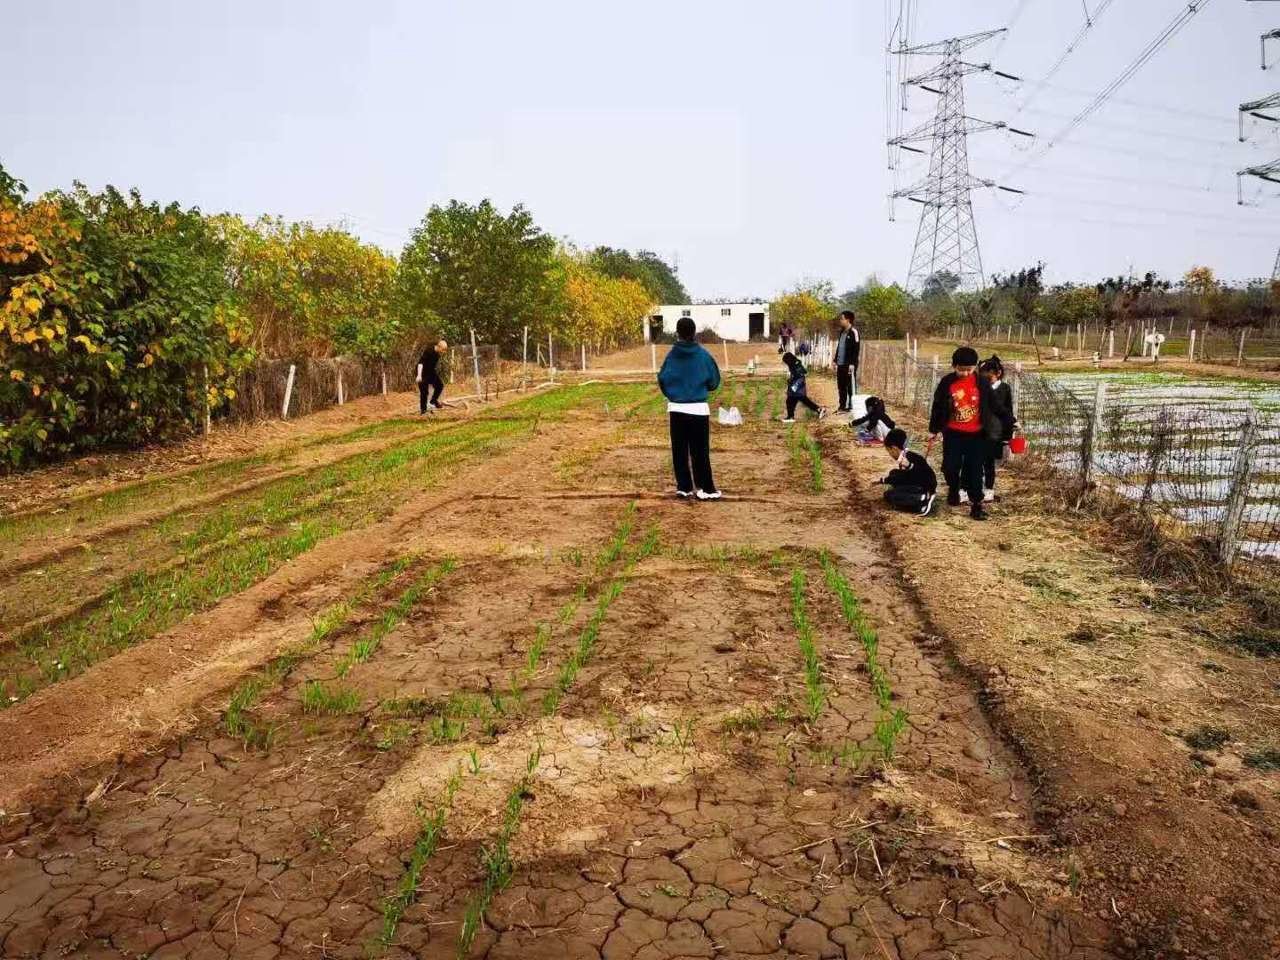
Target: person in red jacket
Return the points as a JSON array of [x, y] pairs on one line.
[[964, 413]]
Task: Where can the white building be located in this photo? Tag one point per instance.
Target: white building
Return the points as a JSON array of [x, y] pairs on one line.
[[728, 321]]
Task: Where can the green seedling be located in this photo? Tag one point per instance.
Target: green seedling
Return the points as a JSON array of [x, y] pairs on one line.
[[815, 687], [474, 759], [317, 697]]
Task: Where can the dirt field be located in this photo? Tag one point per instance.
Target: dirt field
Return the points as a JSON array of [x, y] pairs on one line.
[[478, 686]]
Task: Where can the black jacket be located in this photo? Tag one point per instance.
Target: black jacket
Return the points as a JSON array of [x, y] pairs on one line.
[[848, 347], [796, 379], [430, 361], [875, 414], [940, 413], [917, 473], [1002, 401]]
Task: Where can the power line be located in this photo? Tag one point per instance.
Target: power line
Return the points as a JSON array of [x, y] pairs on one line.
[[1164, 36], [1089, 21]]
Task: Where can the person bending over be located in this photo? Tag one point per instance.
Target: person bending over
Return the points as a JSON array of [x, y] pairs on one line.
[[430, 386], [872, 426], [912, 483], [689, 373]]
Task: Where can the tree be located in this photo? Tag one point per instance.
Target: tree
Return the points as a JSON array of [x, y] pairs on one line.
[[943, 283], [469, 267], [809, 305], [1024, 289], [646, 267]]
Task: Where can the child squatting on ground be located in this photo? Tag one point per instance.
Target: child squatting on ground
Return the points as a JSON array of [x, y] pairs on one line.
[[796, 390], [912, 483], [688, 375], [964, 413], [1002, 399], [875, 424]]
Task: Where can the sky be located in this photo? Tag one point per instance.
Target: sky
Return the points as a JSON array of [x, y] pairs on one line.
[[745, 138]]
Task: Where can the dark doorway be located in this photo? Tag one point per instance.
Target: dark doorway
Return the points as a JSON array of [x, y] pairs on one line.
[[655, 328], [755, 325]]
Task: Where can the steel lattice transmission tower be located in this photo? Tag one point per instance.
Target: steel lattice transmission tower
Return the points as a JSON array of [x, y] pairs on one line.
[[947, 240]]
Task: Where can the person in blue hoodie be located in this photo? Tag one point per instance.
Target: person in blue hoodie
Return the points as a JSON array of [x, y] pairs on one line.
[[689, 373]]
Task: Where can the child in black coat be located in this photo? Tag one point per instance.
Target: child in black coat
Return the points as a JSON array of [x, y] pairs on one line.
[[796, 390], [873, 423], [1002, 407], [912, 483]]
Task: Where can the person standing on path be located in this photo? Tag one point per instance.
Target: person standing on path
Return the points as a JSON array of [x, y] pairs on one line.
[[688, 375], [848, 349], [430, 386]]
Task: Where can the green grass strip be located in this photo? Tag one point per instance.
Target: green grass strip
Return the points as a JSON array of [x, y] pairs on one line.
[[496, 859], [815, 688], [368, 642], [891, 721]]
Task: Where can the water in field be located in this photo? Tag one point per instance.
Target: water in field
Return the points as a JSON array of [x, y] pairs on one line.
[[1169, 439]]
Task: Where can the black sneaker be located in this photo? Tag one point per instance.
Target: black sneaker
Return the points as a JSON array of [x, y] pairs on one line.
[[953, 498], [927, 507], [976, 512]]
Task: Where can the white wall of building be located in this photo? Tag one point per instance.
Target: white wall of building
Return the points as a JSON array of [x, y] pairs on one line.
[[729, 321]]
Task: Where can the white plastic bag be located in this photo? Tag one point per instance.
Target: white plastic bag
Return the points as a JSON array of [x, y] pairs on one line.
[[730, 417]]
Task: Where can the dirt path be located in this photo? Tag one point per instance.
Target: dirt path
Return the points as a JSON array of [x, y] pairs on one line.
[[527, 714]]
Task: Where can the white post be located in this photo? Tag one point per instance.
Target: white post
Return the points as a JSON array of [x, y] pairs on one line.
[[584, 356], [524, 356], [1229, 536], [1111, 343], [551, 360], [384, 379], [1091, 440], [725, 344], [653, 358], [475, 362], [288, 393], [208, 419], [1052, 329], [341, 398], [1191, 345], [1240, 352]]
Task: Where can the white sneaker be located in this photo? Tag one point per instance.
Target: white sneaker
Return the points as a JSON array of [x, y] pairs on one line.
[[788, 419], [822, 412], [964, 496], [988, 496], [684, 494], [713, 495]]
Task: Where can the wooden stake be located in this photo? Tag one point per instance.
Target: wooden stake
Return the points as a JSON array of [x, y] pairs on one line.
[[288, 393]]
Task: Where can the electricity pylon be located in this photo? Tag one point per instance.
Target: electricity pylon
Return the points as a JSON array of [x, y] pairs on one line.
[[947, 240]]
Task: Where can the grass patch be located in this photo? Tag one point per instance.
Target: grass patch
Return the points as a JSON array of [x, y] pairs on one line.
[[1264, 758], [319, 697], [815, 689], [890, 721], [806, 451], [495, 859], [1207, 738], [430, 827]]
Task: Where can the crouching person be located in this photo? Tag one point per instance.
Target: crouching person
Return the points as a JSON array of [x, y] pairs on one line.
[[912, 483]]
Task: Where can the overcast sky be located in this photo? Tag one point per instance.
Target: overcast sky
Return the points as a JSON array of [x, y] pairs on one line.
[[744, 136]]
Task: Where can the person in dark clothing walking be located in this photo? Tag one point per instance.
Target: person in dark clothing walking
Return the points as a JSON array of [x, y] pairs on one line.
[[1002, 402], [430, 386], [964, 414], [912, 483], [797, 392], [848, 349], [872, 421], [689, 373]]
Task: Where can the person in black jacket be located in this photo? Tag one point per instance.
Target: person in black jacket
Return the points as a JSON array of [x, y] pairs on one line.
[[848, 348], [797, 392], [871, 420], [430, 386], [963, 412], [912, 483], [1002, 401]]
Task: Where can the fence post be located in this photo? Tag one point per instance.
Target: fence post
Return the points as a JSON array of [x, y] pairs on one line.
[[384, 379], [584, 356], [1191, 346], [1088, 450], [908, 386], [725, 345], [341, 397], [1111, 343], [1015, 388], [1237, 496], [204, 382], [1052, 329], [653, 358], [551, 360], [1240, 352], [288, 392], [524, 359], [475, 362]]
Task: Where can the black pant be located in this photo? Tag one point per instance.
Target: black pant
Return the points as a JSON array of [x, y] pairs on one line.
[[844, 383], [793, 399], [907, 497], [995, 453], [964, 456], [691, 442], [430, 385]]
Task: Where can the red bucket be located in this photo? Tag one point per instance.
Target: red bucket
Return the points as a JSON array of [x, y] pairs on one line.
[[1018, 445]]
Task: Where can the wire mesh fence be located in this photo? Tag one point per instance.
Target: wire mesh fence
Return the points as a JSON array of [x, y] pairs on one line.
[[1201, 458]]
